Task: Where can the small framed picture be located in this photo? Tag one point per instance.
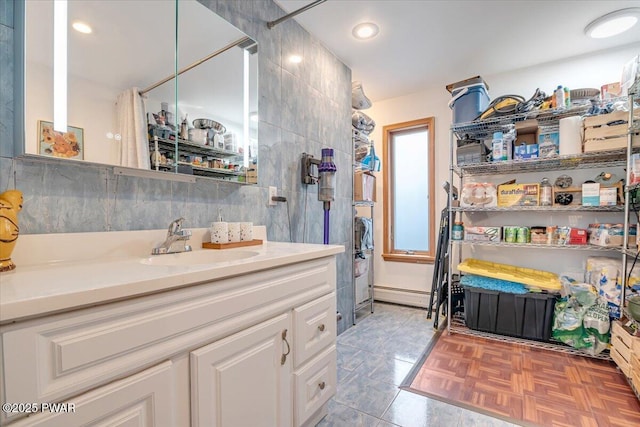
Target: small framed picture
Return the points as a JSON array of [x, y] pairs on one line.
[[67, 145]]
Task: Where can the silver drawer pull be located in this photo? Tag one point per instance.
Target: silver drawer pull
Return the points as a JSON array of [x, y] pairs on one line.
[[322, 385], [321, 328]]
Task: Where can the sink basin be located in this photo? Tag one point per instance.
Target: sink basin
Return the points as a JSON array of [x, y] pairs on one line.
[[197, 257]]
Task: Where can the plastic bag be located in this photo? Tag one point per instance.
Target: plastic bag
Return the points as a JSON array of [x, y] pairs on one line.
[[597, 317]]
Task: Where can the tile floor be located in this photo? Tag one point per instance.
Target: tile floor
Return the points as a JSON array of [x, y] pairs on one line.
[[374, 357]]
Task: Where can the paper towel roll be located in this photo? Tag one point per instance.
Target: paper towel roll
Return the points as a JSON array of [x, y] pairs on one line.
[[570, 135]]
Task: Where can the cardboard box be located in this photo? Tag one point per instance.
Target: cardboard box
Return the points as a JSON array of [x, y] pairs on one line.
[[610, 235], [608, 196], [610, 91], [572, 236], [518, 195], [526, 144], [252, 176], [635, 169], [483, 234], [548, 143], [364, 186], [591, 194]]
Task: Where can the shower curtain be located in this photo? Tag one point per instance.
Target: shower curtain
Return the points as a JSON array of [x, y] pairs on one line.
[[132, 126]]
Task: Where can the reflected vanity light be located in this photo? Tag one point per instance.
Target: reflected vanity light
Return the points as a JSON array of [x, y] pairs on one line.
[[81, 27], [60, 65], [253, 117], [245, 107], [295, 59]]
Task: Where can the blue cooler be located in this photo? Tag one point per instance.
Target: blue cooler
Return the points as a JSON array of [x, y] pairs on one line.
[[469, 99]]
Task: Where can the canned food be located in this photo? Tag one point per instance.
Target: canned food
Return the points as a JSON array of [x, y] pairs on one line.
[[509, 233], [523, 235], [552, 238]]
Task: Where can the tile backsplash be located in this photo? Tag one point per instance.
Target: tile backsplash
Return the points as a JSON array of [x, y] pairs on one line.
[[302, 108]]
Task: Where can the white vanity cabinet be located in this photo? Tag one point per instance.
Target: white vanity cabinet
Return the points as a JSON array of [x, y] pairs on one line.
[[143, 399], [256, 349], [244, 379]]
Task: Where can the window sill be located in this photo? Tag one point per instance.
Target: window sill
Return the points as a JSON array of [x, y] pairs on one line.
[[413, 259]]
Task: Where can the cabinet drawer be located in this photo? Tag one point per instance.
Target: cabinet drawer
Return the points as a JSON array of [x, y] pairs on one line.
[[144, 399], [60, 356], [315, 383], [314, 328]]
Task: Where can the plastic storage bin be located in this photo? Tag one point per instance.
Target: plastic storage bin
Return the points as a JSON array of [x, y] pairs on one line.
[[519, 315], [468, 102]]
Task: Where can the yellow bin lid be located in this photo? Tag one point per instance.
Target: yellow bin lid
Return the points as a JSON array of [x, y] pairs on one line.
[[533, 279]]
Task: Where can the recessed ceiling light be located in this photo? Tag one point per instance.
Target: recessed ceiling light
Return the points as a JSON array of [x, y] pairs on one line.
[[366, 30], [613, 23], [295, 59], [81, 27]]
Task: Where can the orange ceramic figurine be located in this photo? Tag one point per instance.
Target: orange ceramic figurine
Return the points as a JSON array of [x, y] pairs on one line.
[[10, 204]]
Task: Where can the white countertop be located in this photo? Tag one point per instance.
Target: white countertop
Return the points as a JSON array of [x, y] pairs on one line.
[[39, 289]]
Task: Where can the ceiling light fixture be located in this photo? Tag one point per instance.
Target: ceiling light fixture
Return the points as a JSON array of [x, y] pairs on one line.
[[295, 59], [613, 23], [366, 30], [81, 27]]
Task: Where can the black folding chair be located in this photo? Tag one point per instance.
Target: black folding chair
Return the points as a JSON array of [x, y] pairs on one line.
[[440, 280]]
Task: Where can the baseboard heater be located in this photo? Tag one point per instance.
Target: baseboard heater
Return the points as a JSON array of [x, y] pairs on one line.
[[410, 297]]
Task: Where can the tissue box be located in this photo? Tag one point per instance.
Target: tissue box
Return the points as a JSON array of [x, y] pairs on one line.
[[608, 196], [548, 143], [591, 194], [483, 234], [518, 194]]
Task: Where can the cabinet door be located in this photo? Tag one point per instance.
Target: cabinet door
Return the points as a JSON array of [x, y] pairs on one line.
[[143, 399], [244, 379]]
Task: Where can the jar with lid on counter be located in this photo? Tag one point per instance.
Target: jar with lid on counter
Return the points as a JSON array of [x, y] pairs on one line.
[[457, 233]]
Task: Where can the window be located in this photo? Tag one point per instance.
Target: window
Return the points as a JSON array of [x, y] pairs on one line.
[[408, 179]]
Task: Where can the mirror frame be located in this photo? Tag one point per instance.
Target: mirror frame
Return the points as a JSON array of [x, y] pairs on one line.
[[21, 105]]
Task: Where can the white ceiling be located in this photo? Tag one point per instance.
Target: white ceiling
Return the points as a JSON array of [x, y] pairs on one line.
[[425, 43]]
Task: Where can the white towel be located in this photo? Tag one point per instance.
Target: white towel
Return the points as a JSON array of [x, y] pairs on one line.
[[132, 126]]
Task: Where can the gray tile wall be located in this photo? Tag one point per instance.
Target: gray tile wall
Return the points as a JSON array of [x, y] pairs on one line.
[[302, 108]]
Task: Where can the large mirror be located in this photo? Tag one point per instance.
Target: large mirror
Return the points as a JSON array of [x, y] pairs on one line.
[[160, 85]]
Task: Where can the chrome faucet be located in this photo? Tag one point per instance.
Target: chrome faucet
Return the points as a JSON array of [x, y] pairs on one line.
[[175, 241]]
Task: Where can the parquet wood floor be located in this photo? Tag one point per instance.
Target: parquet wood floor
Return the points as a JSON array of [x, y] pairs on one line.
[[527, 385]]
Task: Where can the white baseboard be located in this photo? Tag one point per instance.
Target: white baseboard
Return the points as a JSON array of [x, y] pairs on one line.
[[401, 296]]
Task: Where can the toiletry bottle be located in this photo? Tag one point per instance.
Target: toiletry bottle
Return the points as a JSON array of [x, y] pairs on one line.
[[497, 147], [458, 231], [559, 94], [545, 193], [567, 97], [184, 128]]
